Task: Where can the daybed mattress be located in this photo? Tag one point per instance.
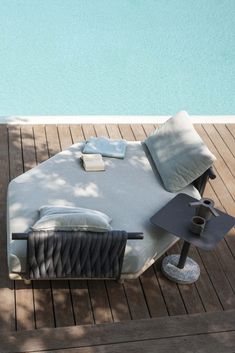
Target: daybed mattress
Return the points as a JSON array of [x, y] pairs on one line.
[[130, 191]]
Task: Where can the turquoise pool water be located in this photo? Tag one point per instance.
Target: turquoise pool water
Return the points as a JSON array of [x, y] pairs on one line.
[[117, 57]]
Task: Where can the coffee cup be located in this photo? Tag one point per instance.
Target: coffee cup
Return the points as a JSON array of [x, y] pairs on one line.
[[197, 225]]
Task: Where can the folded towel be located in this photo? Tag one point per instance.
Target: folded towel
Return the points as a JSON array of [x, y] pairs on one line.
[[93, 162], [106, 147]]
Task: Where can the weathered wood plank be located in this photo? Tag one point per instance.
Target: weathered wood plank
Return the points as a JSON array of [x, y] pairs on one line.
[[153, 293], [130, 331], [44, 316], [138, 132], [224, 150], [219, 280], [224, 181], [76, 133], [7, 304], [171, 293], [24, 306], [148, 128], [99, 301], [231, 128], [43, 306], [52, 140], [220, 194], [189, 294], [81, 303], [223, 249], [205, 343], [88, 131], [226, 136], [64, 136], [28, 148], [136, 299], [100, 130], [126, 132], [204, 286], [63, 311], [113, 131], [40, 143], [224, 172], [24, 293], [118, 301], [15, 151]]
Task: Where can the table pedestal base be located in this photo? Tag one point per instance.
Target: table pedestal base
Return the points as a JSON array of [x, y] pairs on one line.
[[186, 275]]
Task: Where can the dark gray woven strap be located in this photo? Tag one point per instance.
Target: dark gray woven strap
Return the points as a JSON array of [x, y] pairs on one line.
[[59, 254]]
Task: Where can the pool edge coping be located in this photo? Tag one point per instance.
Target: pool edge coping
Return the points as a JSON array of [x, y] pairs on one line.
[[108, 119]]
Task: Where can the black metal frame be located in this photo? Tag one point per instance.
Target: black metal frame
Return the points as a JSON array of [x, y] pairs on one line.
[[200, 182], [130, 236], [24, 236]]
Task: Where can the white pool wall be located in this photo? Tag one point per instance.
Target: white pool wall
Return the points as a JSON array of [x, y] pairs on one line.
[[110, 119]]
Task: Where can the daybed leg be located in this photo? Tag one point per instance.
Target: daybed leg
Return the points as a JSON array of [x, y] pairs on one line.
[[120, 281], [27, 281]]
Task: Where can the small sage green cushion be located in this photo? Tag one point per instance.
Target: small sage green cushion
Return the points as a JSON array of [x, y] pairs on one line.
[[83, 219], [178, 152]]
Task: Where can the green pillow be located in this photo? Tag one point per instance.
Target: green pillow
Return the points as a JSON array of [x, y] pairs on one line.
[[178, 152], [93, 221], [47, 210]]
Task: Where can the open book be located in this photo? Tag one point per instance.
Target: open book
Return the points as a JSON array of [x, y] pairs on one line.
[[93, 162]]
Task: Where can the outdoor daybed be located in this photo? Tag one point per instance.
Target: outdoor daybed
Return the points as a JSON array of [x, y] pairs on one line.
[[130, 191]]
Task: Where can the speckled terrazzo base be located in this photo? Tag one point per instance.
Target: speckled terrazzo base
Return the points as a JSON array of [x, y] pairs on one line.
[[189, 274]]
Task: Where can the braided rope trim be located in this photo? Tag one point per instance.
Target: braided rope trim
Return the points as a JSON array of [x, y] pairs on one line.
[[60, 254]]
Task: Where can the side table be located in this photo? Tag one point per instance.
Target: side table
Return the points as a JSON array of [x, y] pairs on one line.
[[175, 218]]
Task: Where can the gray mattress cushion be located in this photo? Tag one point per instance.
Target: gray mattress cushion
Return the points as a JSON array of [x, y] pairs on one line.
[[130, 191], [178, 152]]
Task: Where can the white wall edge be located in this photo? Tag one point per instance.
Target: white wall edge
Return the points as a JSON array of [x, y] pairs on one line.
[[110, 119]]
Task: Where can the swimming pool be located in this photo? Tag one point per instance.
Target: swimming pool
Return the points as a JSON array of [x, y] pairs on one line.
[[117, 57]]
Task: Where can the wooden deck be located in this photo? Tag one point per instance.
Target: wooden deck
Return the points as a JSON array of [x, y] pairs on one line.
[[49, 304], [204, 333]]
